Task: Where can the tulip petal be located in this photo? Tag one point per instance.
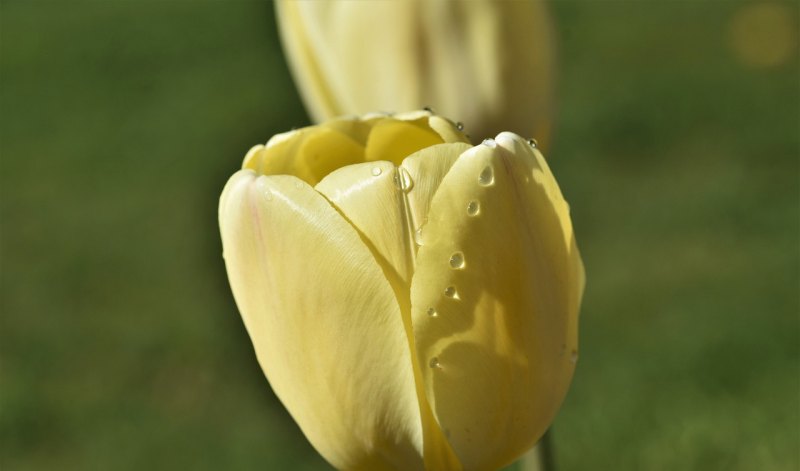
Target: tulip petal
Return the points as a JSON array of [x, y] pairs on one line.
[[394, 139], [386, 204], [325, 150], [307, 153], [324, 322], [448, 131], [369, 196], [495, 300], [354, 127], [277, 156]]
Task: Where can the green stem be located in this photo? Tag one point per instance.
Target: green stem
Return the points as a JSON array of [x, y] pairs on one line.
[[547, 452], [541, 457]]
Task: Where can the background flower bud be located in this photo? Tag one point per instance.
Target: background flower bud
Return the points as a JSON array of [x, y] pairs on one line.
[[486, 63], [413, 300]]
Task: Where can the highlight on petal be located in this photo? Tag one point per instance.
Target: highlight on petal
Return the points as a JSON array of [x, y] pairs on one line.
[[324, 322], [494, 299]]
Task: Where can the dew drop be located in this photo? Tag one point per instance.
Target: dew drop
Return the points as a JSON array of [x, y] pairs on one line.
[[490, 143], [418, 239], [268, 195], [573, 357], [473, 208], [486, 177], [432, 312], [376, 171], [451, 292], [402, 180], [460, 126], [533, 142], [434, 363], [457, 260]]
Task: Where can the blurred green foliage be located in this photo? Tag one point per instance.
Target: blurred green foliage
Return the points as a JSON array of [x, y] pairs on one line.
[[122, 348]]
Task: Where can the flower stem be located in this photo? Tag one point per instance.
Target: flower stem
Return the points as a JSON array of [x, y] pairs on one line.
[[540, 458]]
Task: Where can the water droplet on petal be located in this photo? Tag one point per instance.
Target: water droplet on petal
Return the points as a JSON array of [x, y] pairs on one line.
[[457, 260], [434, 363], [451, 292], [473, 208], [403, 179], [432, 312], [486, 177], [418, 236], [490, 143], [460, 126], [533, 142], [268, 195], [573, 358], [376, 171]]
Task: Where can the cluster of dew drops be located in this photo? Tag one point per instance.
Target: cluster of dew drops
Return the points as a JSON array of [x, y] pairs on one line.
[[457, 261]]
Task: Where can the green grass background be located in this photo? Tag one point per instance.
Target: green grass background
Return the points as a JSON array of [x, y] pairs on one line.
[[121, 347]]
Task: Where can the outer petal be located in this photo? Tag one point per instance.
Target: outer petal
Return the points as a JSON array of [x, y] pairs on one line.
[[324, 322], [495, 302]]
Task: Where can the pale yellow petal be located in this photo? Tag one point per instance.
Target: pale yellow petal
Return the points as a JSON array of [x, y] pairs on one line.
[[323, 151], [393, 139], [448, 131], [324, 321], [370, 197], [388, 204], [494, 302], [382, 202], [277, 156], [356, 128], [425, 170], [309, 153]]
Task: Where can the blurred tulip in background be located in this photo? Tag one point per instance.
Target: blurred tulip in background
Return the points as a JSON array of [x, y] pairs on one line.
[[485, 63]]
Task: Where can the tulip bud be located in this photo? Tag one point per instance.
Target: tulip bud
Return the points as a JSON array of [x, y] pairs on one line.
[[412, 299], [487, 63]]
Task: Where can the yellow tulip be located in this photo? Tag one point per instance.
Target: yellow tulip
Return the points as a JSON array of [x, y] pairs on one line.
[[412, 299], [487, 63]]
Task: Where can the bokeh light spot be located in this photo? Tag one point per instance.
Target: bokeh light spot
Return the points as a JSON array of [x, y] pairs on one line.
[[763, 34]]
